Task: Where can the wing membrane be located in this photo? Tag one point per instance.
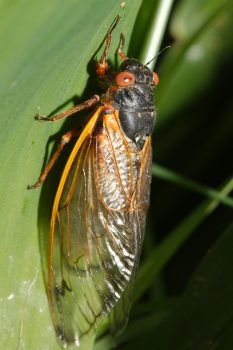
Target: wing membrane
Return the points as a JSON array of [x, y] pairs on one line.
[[120, 314], [97, 229]]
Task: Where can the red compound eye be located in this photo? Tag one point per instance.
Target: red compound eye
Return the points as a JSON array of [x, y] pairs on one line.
[[155, 78], [125, 78]]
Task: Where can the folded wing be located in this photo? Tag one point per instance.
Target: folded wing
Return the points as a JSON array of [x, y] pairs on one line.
[[97, 229]]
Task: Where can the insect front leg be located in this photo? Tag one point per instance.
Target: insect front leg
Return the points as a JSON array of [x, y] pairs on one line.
[[85, 105], [102, 65], [64, 141], [121, 46]]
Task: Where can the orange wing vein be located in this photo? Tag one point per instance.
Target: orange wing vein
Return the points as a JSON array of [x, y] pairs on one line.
[[97, 226]]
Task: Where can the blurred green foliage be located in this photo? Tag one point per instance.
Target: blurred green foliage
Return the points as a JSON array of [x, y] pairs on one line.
[[184, 287]]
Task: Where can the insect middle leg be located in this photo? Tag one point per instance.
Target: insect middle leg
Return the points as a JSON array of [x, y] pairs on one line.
[[64, 141], [121, 46], [85, 105]]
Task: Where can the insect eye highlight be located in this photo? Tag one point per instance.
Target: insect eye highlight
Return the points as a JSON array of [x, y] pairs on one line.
[[125, 78], [155, 78]]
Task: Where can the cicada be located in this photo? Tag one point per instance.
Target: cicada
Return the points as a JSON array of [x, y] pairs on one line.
[[99, 211]]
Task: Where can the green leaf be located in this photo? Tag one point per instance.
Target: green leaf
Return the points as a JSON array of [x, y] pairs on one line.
[[47, 49], [47, 59], [202, 318], [167, 248], [179, 180], [203, 35]]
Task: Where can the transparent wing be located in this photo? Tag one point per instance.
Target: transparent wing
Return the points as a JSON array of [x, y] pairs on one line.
[[98, 230], [120, 313]]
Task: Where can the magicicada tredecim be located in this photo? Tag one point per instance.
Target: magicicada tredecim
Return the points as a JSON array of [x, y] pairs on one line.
[[99, 211]]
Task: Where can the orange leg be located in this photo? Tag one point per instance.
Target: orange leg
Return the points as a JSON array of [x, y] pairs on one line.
[[121, 46], [102, 65], [64, 140], [85, 105]]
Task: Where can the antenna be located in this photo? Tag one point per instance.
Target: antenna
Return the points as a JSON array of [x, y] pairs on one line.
[[165, 48]]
